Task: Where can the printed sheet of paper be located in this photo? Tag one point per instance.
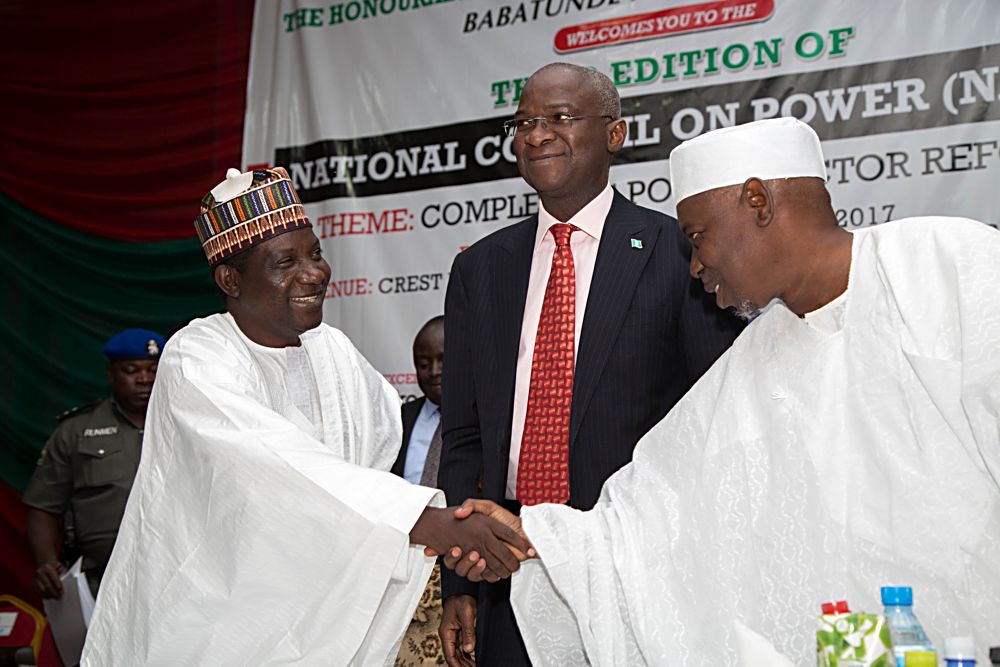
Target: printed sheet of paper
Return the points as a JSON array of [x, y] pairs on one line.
[[7, 621], [70, 615]]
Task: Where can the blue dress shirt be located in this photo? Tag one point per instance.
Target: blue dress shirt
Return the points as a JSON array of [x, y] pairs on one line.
[[420, 441]]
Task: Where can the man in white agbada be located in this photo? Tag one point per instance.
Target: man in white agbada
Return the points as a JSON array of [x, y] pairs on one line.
[[849, 439], [263, 528]]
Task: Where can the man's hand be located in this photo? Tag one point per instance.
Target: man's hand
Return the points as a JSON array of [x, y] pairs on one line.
[[440, 530], [46, 581], [42, 529], [471, 566], [458, 630], [497, 513]]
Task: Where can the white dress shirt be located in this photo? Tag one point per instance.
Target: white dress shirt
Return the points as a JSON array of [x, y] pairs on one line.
[[584, 243]]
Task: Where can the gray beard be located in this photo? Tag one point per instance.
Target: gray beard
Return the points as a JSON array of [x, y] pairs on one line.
[[746, 310]]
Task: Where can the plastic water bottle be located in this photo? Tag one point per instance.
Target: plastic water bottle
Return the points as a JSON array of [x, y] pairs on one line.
[[960, 652], [904, 629]]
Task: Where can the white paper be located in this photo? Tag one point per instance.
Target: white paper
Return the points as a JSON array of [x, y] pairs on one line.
[[7, 621], [70, 615]]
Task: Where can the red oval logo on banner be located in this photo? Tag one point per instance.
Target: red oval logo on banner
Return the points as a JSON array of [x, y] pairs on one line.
[[673, 21]]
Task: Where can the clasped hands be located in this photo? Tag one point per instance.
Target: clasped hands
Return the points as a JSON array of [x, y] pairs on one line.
[[479, 539]]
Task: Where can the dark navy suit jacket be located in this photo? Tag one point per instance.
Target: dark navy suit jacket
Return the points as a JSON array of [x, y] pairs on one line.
[[649, 332], [410, 410]]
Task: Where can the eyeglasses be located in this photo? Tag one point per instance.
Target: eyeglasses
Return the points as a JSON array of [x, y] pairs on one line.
[[556, 121]]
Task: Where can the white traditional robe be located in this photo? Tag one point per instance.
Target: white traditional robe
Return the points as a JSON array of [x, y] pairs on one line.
[[247, 539], [817, 460]]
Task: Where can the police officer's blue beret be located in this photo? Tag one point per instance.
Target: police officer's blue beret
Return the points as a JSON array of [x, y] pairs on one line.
[[134, 344]]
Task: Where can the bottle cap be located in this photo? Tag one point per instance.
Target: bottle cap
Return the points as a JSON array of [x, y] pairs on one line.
[[897, 595], [960, 648], [921, 659], [839, 607]]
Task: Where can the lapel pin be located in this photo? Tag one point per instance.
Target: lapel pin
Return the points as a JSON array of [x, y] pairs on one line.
[[636, 243]]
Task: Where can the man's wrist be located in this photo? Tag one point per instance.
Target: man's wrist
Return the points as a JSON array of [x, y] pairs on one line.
[[424, 529], [452, 585]]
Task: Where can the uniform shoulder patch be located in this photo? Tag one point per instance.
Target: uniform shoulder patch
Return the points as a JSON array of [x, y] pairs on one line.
[[79, 410]]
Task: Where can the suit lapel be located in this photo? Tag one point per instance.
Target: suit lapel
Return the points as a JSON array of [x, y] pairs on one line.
[[511, 267], [616, 274], [410, 417], [410, 413]]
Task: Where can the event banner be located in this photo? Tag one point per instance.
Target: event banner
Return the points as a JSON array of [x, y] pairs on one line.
[[388, 116]]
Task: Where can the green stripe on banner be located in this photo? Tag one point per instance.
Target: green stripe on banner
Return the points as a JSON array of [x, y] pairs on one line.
[[64, 294]]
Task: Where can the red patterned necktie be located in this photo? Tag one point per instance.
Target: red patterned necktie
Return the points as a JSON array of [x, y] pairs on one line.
[[543, 465]]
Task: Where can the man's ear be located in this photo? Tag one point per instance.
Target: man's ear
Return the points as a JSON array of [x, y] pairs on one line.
[[617, 135], [228, 280], [758, 197]]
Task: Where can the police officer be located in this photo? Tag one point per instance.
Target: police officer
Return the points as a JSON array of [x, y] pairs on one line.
[[86, 468]]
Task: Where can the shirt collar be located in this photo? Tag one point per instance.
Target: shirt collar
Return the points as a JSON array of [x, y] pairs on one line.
[[121, 413], [589, 219]]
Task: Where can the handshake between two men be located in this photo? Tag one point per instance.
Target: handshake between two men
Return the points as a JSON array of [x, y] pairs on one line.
[[487, 535]]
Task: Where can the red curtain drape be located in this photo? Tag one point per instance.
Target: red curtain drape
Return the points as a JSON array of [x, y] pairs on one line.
[[116, 118], [118, 115], [16, 566]]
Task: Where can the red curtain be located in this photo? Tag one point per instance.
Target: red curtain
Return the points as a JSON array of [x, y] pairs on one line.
[[119, 115], [116, 118], [16, 565]]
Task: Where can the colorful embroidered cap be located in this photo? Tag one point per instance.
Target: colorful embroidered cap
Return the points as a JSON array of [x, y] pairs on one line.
[[247, 209], [134, 344]]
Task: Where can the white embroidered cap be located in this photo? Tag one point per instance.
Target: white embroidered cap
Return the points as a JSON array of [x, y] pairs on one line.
[[765, 149]]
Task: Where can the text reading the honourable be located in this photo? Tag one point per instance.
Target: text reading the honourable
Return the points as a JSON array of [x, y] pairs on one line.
[[347, 12]]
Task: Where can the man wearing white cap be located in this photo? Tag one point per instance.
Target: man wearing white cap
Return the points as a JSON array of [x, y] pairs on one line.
[[263, 527], [849, 439]]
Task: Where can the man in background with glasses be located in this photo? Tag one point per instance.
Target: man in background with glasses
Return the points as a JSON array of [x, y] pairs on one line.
[[570, 334]]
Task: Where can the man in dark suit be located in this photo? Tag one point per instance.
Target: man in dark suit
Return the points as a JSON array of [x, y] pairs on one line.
[[422, 417], [570, 334], [417, 462]]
